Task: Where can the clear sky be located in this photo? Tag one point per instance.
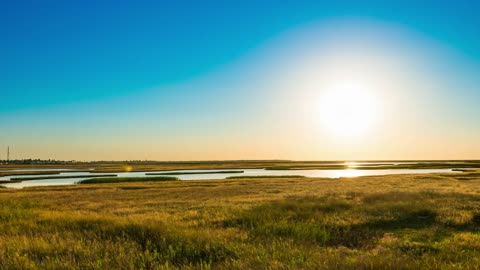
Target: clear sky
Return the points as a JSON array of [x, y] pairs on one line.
[[202, 80]]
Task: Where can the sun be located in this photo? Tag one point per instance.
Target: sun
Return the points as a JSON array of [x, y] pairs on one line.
[[348, 109]]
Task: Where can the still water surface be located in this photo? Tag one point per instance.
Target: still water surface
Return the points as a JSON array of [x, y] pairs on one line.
[[216, 176]]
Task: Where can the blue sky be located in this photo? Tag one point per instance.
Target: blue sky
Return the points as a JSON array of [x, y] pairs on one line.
[[61, 61]]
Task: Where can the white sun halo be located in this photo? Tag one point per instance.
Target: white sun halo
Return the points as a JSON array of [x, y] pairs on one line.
[[348, 109]]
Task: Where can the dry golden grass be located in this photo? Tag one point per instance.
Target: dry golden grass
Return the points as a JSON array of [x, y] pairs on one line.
[[378, 222]]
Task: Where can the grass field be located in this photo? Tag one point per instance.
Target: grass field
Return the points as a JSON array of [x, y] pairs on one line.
[[377, 222]]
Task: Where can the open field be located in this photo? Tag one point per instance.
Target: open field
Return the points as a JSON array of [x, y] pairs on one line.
[[380, 222]]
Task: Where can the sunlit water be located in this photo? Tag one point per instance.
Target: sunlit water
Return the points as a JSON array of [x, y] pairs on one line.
[[216, 176]]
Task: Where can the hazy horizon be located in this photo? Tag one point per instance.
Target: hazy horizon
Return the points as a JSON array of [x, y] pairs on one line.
[[243, 160], [294, 80]]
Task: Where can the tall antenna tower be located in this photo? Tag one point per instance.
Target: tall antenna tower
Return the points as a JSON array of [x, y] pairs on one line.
[[8, 154]]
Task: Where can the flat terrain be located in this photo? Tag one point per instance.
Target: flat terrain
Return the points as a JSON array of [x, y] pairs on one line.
[[377, 222], [147, 166]]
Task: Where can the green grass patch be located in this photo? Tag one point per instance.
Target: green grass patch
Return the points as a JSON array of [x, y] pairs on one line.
[[132, 188], [70, 241], [466, 176], [127, 180], [58, 177], [9, 181], [15, 210], [358, 223]]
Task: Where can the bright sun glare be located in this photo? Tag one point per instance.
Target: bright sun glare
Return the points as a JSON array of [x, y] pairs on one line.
[[348, 110]]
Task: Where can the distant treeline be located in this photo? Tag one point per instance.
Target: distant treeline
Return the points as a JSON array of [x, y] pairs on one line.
[[132, 162], [36, 161], [60, 162]]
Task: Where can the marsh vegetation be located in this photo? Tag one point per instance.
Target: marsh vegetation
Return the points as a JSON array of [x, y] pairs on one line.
[[109, 180], [70, 173], [149, 166], [60, 177], [378, 222]]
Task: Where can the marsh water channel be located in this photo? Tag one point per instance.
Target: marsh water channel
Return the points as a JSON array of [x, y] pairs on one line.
[[211, 174]]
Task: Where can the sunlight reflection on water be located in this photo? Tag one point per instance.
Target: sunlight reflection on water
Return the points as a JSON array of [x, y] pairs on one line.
[[218, 176]]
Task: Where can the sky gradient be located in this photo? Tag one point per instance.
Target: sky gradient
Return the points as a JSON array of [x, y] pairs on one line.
[[205, 80]]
